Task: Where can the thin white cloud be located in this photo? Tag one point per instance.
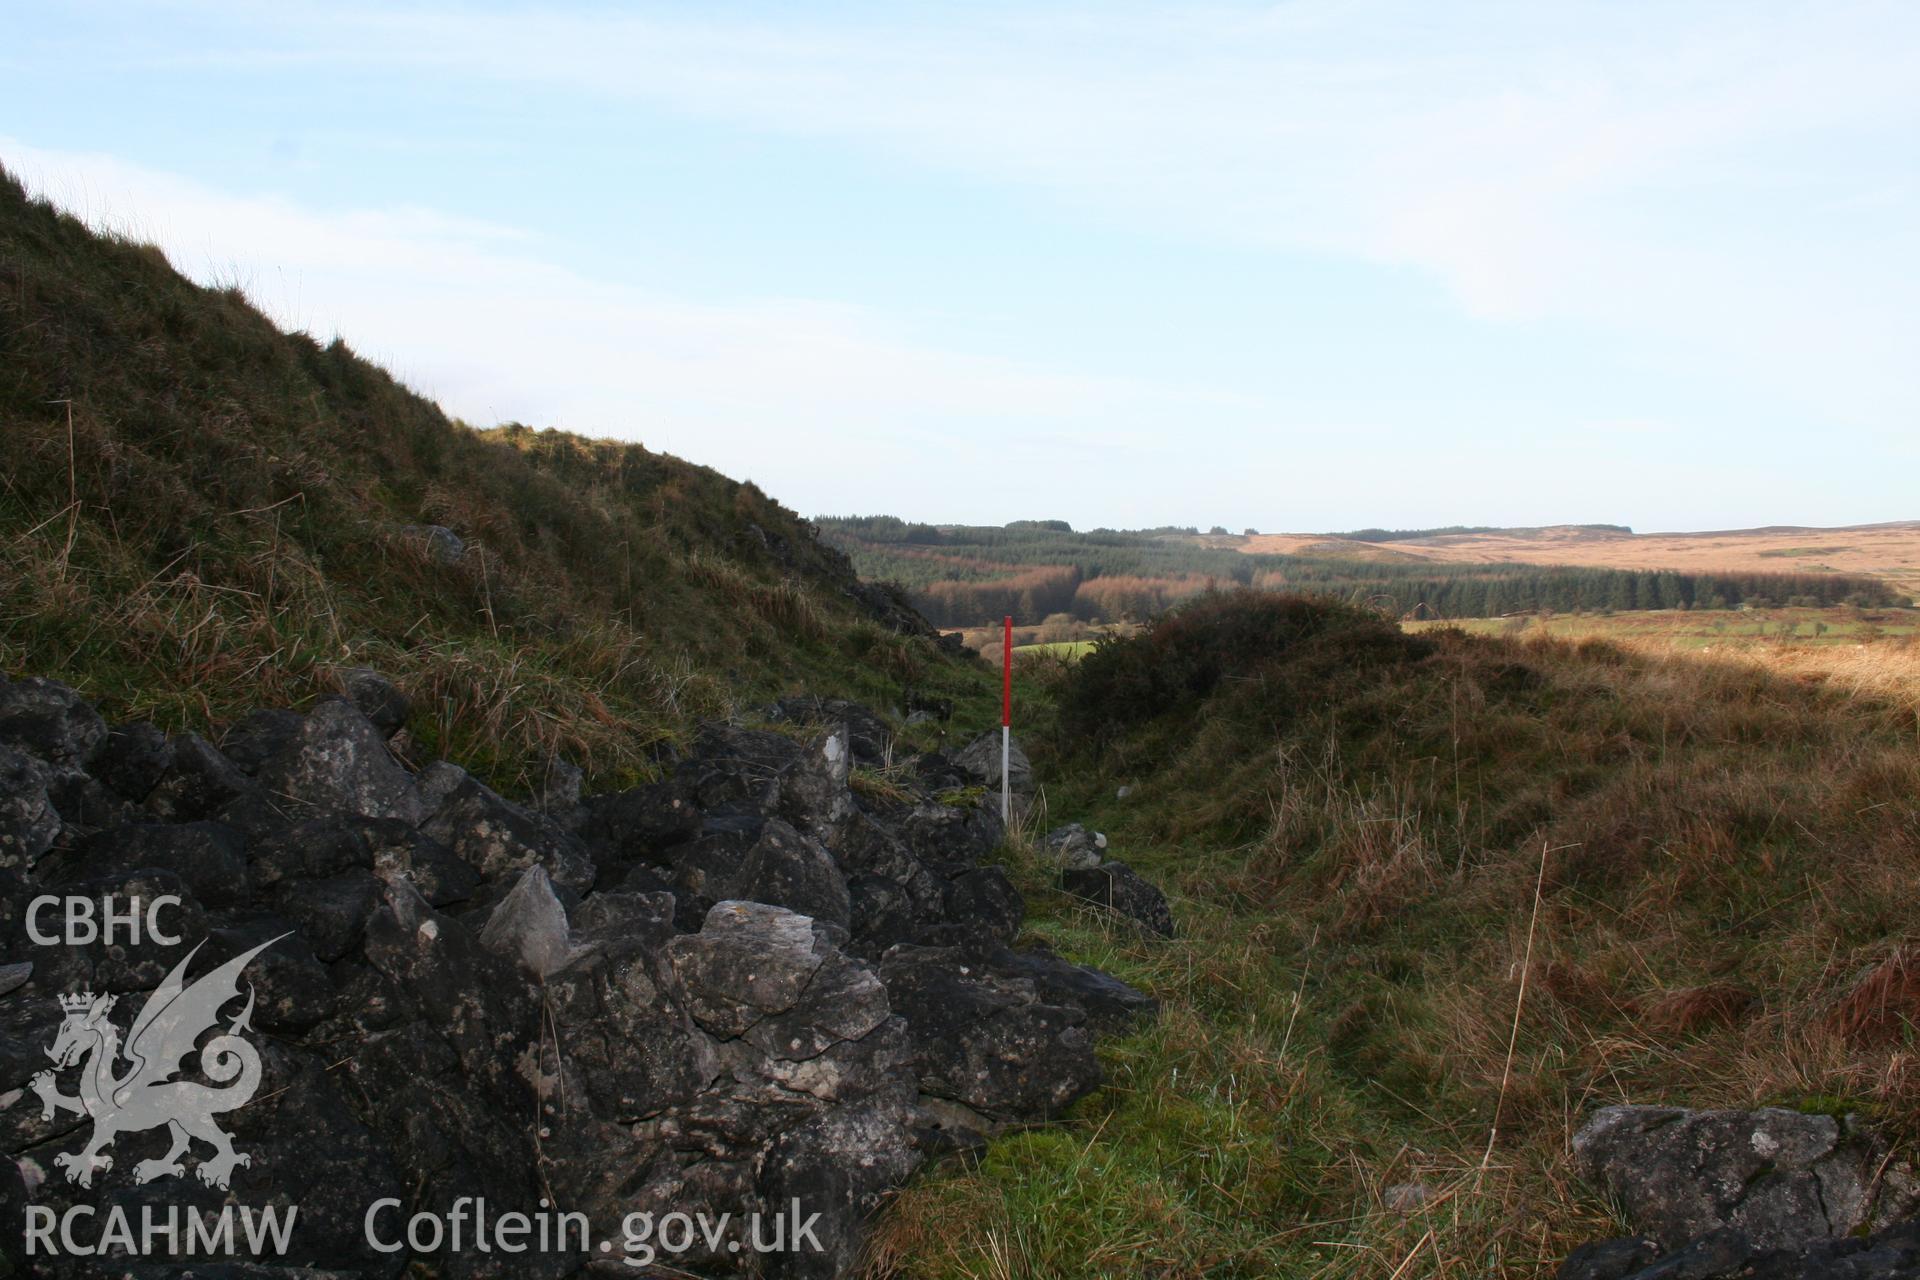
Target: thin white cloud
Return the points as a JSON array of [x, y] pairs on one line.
[[468, 312], [1657, 172], [1721, 188]]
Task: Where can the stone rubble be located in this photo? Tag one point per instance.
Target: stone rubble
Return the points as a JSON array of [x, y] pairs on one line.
[[742, 984]]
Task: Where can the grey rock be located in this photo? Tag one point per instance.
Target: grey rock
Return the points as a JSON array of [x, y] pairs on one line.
[[132, 760], [448, 1069], [291, 988], [337, 843], [29, 823], [1610, 1259], [497, 837], [529, 926], [649, 1050], [377, 698], [432, 869], [865, 733], [880, 915], [47, 719], [258, 736], [255, 815], [1722, 1253], [844, 1000], [339, 763], [305, 1147], [14, 895], [951, 839], [1779, 1178], [332, 912], [868, 845], [1075, 848], [640, 825], [814, 794], [788, 869], [199, 782], [839, 1165], [311, 849], [437, 782], [1111, 1006], [210, 857], [123, 965], [938, 773], [731, 765], [988, 1041], [982, 905], [749, 960], [1889, 1254], [980, 759], [85, 804], [1123, 891], [631, 1050]]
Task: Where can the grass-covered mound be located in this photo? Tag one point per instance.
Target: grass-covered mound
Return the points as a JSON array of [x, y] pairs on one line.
[[1368, 993], [201, 514]]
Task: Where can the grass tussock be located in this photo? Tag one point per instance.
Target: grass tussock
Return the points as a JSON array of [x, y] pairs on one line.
[[1442, 896]]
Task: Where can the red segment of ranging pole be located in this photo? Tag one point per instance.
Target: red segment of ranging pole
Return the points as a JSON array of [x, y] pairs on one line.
[[1006, 676], [1006, 725]]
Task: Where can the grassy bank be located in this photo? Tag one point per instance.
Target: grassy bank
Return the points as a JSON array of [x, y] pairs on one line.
[[1441, 896], [201, 514]]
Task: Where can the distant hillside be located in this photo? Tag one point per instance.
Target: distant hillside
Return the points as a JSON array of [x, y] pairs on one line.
[[201, 514], [1890, 552], [1040, 571], [1457, 530]]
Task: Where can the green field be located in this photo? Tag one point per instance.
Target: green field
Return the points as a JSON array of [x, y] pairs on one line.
[[1699, 629], [1057, 649]]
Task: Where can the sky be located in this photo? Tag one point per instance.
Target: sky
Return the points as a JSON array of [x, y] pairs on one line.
[[1300, 267]]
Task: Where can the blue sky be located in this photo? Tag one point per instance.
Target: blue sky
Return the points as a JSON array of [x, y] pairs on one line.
[[1302, 266]]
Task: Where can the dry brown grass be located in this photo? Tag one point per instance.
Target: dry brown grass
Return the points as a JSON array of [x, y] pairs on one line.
[[1882, 670], [1723, 920], [1884, 1005], [1888, 551]]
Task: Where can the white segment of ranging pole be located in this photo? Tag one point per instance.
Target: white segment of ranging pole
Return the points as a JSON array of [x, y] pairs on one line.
[[1006, 725], [1006, 779]]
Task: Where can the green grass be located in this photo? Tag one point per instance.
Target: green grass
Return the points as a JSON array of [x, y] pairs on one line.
[[1360, 819], [201, 514], [1055, 649]]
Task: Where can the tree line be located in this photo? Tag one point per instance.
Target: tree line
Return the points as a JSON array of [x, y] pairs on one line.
[[1455, 530], [1042, 570]]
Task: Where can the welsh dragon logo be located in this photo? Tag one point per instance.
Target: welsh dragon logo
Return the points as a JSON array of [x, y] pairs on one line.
[[145, 1095]]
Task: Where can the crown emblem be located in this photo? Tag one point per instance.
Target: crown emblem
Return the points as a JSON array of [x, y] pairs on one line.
[[78, 1002]]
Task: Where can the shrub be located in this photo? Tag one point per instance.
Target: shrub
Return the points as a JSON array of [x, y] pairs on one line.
[[1279, 644]]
